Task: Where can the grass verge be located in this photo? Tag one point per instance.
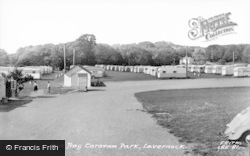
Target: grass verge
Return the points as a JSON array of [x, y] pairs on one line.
[[197, 116]]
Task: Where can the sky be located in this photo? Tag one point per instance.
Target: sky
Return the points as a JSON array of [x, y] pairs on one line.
[[37, 22]]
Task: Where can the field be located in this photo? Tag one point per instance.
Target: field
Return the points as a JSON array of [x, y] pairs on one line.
[[125, 76], [197, 116]]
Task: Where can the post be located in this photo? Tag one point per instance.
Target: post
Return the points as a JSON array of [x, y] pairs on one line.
[[186, 63], [74, 56], [233, 57], [64, 52], [212, 57]]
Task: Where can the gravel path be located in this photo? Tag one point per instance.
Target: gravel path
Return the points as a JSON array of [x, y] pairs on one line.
[[107, 116]]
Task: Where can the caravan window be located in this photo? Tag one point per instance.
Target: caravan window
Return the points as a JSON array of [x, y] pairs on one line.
[[163, 71], [33, 72], [174, 72]]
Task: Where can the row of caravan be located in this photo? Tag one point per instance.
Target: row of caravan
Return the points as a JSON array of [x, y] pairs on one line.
[[237, 70], [157, 71], [35, 71], [179, 71]]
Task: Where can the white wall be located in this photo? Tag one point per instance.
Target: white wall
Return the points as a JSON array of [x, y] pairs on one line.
[[2, 88], [67, 81], [189, 61]]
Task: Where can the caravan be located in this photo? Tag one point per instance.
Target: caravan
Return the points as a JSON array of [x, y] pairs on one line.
[[155, 71], [121, 68], [140, 69], [6, 70], [180, 66], [241, 71], [135, 69], [217, 69], [116, 68], [193, 68], [127, 68], [171, 72], [97, 72], [208, 69], [146, 69], [229, 70], [201, 68], [34, 72], [152, 71]]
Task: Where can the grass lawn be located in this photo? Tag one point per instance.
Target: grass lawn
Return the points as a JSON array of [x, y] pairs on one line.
[[129, 76], [206, 76], [125, 76], [197, 116]]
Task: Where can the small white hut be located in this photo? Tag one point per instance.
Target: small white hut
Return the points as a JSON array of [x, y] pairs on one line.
[[78, 76]]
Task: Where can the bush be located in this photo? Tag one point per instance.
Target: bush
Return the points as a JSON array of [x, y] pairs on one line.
[[222, 62], [97, 83]]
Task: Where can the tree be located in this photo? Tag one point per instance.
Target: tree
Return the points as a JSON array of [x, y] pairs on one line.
[[232, 50], [57, 57], [199, 55], [4, 58], [246, 54], [222, 62], [88, 52], [17, 75], [215, 52], [163, 58], [25, 62], [85, 45], [105, 54]]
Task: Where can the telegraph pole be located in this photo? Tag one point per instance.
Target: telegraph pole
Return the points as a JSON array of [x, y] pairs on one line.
[[74, 56], [233, 57], [186, 63], [212, 57], [64, 52]]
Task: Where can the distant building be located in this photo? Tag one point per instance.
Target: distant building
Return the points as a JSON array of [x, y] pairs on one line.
[[35, 71], [97, 72], [171, 72], [189, 60]]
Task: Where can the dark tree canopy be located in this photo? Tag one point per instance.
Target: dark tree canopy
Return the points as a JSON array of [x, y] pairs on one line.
[[88, 52], [4, 58]]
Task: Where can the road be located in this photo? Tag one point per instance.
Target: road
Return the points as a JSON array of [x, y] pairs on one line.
[[105, 116]]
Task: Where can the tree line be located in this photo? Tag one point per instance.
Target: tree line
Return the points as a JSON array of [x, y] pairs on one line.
[[88, 52]]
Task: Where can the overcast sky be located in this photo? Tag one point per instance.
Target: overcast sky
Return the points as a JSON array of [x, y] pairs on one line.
[[33, 22]]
